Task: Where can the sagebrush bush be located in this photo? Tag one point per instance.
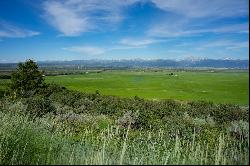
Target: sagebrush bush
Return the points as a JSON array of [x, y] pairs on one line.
[[49, 89], [128, 118], [61, 108], [83, 105], [39, 106], [239, 129]]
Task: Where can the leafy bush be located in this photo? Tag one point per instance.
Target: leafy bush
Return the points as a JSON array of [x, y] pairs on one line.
[[49, 89], [38, 106], [225, 113]]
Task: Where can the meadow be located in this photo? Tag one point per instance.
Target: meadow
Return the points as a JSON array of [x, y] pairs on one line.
[[214, 86]]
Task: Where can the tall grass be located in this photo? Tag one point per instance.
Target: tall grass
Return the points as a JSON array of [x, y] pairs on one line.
[[25, 141]]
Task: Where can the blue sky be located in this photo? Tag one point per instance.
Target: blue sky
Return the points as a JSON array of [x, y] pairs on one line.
[[123, 29]]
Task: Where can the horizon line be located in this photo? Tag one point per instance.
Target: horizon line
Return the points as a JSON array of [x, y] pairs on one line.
[[124, 59]]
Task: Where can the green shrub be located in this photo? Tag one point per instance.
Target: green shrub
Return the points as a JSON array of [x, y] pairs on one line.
[[39, 106], [49, 89], [62, 109], [225, 113], [83, 105]]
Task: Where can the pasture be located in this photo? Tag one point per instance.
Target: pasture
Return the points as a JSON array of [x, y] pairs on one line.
[[218, 86]]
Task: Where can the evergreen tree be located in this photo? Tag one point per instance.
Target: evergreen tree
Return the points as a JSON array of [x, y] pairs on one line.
[[27, 80]]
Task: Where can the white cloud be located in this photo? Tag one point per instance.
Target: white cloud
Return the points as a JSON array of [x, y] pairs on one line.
[[124, 44], [93, 50], [133, 42], [10, 31], [137, 42], [176, 51], [238, 45], [122, 47], [73, 17], [227, 44], [204, 8], [222, 44], [195, 17], [185, 29], [88, 50], [65, 19], [235, 28]]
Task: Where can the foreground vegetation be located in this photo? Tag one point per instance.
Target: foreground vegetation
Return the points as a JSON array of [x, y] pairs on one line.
[[49, 124], [59, 126], [36, 142]]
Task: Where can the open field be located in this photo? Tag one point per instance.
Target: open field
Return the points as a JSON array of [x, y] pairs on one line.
[[219, 87]]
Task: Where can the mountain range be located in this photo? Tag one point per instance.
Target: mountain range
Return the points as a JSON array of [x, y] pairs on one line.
[[142, 63]]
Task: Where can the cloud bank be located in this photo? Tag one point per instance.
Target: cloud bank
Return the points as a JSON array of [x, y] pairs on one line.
[[73, 17]]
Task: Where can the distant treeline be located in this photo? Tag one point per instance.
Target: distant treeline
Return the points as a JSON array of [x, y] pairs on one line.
[[66, 70]]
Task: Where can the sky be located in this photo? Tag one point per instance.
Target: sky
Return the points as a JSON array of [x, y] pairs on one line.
[[123, 29]]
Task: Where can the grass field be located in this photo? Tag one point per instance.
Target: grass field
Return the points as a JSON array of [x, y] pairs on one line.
[[219, 87]]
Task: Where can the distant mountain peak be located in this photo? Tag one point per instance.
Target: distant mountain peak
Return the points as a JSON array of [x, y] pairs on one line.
[[193, 62], [193, 58]]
